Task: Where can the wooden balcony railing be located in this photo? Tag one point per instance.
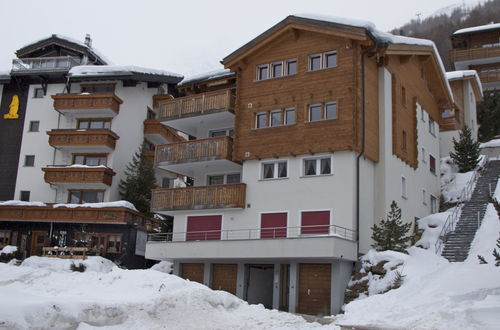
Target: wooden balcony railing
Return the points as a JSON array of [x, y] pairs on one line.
[[458, 55], [76, 137], [489, 76], [74, 214], [76, 174], [153, 126], [195, 105], [95, 101], [195, 198], [195, 151]]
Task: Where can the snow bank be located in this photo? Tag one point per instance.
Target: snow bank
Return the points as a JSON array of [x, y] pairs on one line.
[[452, 182], [8, 249], [163, 266], [486, 237], [43, 296], [432, 226], [100, 205], [490, 144], [393, 260], [435, 294], [92, 264], [21, 203]]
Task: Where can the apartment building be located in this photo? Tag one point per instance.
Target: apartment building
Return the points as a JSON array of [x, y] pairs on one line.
[[71, 123], [295, 151], [478, 48]]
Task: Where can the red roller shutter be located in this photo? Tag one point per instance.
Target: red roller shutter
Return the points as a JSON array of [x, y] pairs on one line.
[[202, 228], [273, 225], [315, 222]]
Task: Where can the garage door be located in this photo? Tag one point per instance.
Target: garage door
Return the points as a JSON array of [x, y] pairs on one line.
[[224, 277], [192, 272], [314, 289], [202, 228]]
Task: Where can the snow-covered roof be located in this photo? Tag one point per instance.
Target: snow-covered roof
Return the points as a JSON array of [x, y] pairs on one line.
[[481, 28], [4, 76], [100, 205], [120, 71], [464, 74], [206, 76]]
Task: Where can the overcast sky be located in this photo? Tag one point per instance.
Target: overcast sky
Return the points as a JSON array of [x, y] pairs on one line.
[[183, 36]]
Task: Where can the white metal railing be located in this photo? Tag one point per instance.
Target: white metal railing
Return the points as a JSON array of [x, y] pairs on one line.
[[452, 219], [255, 234], [59, 63]]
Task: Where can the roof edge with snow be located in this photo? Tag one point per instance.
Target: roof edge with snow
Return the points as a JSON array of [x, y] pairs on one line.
[[122, 72], [207, 76], [477, 29]]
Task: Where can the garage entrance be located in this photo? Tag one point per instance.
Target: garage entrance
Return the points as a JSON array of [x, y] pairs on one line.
[[260, 284], [224, 277], [192, 272], [314, 289]]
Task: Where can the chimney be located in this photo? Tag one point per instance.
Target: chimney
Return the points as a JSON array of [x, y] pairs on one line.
[[88, 41]]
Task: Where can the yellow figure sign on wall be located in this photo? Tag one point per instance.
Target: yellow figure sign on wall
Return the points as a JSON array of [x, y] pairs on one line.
[[13, 108]]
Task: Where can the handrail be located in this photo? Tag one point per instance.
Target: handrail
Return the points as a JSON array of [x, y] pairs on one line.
[[256, 233], [44, 63], [452, 219]]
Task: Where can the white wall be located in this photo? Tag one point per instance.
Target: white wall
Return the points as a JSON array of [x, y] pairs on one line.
[[446, 142], [470, 111]]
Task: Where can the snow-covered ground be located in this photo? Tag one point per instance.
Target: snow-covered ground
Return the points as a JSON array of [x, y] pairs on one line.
[[453, 182]]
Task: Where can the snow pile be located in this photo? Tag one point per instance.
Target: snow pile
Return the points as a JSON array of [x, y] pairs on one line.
[[125, 204], [485, 240], [21, 203], [435, 294], [92, 264], [432, 226], [8, 249], [490, 144], [390, 261], [42, 296], [452, 182], [163, 266]]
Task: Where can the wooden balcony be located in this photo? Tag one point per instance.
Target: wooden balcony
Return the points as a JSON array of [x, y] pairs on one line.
[[196, 105], [195, 151], [76, 174], [49, 213], [489, 76], [92, 139], [158, 133], [469, 54], [149, 156], [105, 104], [198, 198]]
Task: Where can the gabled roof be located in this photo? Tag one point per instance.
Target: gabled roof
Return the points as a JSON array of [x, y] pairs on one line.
[[120, 72], [65, 42], [470, 75], [477, 29], [207, 76]]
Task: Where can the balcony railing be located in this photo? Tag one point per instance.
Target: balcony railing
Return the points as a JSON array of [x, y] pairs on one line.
[[155, 127], [78, 174], [96, 101], [489, 76], [196, 105], [44, 64], [252, 234], [458, 55], [195, 151], [77, 138], [197, 198]]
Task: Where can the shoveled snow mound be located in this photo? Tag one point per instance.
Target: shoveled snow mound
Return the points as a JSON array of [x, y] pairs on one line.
[[163, 266], [485, 240], [432, 226], [435, 294], [92, 264], [42, 298], [8, 249]]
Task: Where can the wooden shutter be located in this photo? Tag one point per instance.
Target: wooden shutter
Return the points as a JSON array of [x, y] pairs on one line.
[[315, 222]]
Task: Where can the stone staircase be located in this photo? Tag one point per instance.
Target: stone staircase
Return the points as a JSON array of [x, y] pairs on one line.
[[458, 242]]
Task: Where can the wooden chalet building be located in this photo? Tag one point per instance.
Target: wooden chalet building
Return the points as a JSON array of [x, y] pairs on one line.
[[70, 124], [296, 150]]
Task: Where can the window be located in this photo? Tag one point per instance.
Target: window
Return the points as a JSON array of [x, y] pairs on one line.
[[90, 160], [166, 182], [317, 166], [24, 195], [432, 164], [215, 179], [277, 69], [34, 126], [94, 124], [403, 187], [114, 244], [434, 204], [98, 88], [29, 160], [289, 116], [432, 128], [404, 145], [274, 170], [85, 196], [291, 66], [446, 113], [260, 120], [275, 118], [322, 61], [315, 112], [38, 93], [424, 159], [323, 111], [262, 72], [221, 132], [4, 237], [424, 197], [331, 110], [403, 96], [315, 222], [273, 225], [223, 179]]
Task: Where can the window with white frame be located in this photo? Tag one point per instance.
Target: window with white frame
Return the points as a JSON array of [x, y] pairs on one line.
[[289, 116], [274, 170], [263, 72], [424, 196], [275, 118], [315, 112], [403, 187], [276, 69], [323, 111], [322, 60], [38, 93], [291, 66], [434, 204], [260, 120], [432, 126], [317, 166], [330, 110], [221, 132], [432, 164], [223, 179]]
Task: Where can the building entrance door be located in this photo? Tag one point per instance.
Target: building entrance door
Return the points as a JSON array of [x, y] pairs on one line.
[[39, 239]]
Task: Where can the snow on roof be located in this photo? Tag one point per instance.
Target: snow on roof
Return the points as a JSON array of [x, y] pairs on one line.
[[491, 26], [210, 75], [21, 203], [4, 75], [117, 70], [457, 75], [100, 205]]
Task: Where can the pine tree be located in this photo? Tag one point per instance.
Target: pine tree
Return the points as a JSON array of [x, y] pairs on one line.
[[391, 233], [466, 154], [140, 179]]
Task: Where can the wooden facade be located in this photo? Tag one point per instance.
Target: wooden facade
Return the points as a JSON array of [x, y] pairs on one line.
[[82, 138], [60, 175], [201, 197], [74, 102]]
